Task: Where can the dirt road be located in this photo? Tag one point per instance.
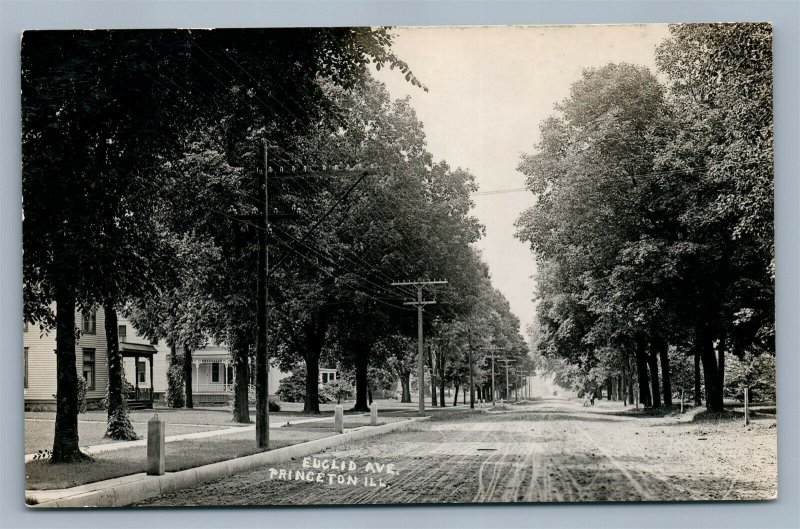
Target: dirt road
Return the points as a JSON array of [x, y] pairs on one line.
[[552, 450]]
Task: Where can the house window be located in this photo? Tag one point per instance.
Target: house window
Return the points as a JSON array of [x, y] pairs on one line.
[[122, 333], [88, 367], [90, 322], [140, 372], [324, 378], [26, 367], [215, 372]]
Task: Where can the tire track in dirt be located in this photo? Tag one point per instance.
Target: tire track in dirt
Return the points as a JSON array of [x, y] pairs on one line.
[[644, 493]]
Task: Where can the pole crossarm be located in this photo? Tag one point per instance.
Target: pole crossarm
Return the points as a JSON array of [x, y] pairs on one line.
[[418, 283]]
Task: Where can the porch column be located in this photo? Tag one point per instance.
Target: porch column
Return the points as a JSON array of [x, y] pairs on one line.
[[152, 388], [136, 374], [225, 375], [196, 378]]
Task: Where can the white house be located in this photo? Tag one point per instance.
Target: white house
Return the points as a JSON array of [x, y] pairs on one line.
[[145, 363]]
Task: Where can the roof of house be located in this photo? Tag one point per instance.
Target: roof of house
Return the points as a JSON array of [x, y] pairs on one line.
[[136, 349]]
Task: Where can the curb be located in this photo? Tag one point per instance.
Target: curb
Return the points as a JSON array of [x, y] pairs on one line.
[[151, 486]]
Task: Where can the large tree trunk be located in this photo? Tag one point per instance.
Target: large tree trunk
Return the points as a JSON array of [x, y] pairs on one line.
[[119, 425], [311, 399], [631, 396], [641, 371], [710, 372], [652, 361], [314, 340], [624, 385], [698, 399], [441, 383], [722, 349], [609, 389], [187, 376], [66, 448], [174, 395], [455, 400], [666, 379], [362, 387], [405, 382], [241, 379]]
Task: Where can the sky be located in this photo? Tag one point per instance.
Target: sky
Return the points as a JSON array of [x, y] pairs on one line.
[[489, 89]]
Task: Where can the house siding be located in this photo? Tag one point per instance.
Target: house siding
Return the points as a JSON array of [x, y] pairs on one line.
[[160, 360], [42, 359], [41, 364]]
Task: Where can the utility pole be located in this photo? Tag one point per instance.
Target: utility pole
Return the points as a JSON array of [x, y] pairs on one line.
[[262, 309], [262, 292], [507, 361], [523, 379], [420, 304], [494, 394]]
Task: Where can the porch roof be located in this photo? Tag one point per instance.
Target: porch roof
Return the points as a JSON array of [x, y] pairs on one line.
[[136, 349]]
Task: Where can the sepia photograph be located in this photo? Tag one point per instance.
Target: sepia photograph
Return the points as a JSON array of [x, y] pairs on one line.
[[398, 265]]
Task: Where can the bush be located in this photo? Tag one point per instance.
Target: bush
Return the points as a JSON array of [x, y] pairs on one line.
[[758, 375], [81, 394], [274, 406], [174, 395], [293, 387], [337, 390], [119, 425]]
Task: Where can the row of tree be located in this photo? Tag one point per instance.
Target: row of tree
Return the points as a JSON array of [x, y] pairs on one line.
[[653, 225], [141, 161]]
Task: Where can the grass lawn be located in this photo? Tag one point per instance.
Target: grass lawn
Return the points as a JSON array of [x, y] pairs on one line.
[[39, 426], [39, 434], [180, 455]]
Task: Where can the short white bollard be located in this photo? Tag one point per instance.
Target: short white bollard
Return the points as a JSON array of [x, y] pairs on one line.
[[746, 406], [155, 447], [338, 419], [373, 414], [681, 400]]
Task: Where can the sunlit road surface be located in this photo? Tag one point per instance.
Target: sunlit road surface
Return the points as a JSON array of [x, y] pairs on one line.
[[551, 450]]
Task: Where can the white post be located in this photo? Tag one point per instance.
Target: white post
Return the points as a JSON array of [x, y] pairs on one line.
[[338, 419], [155, 447], [746, 408], [373, 414]]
